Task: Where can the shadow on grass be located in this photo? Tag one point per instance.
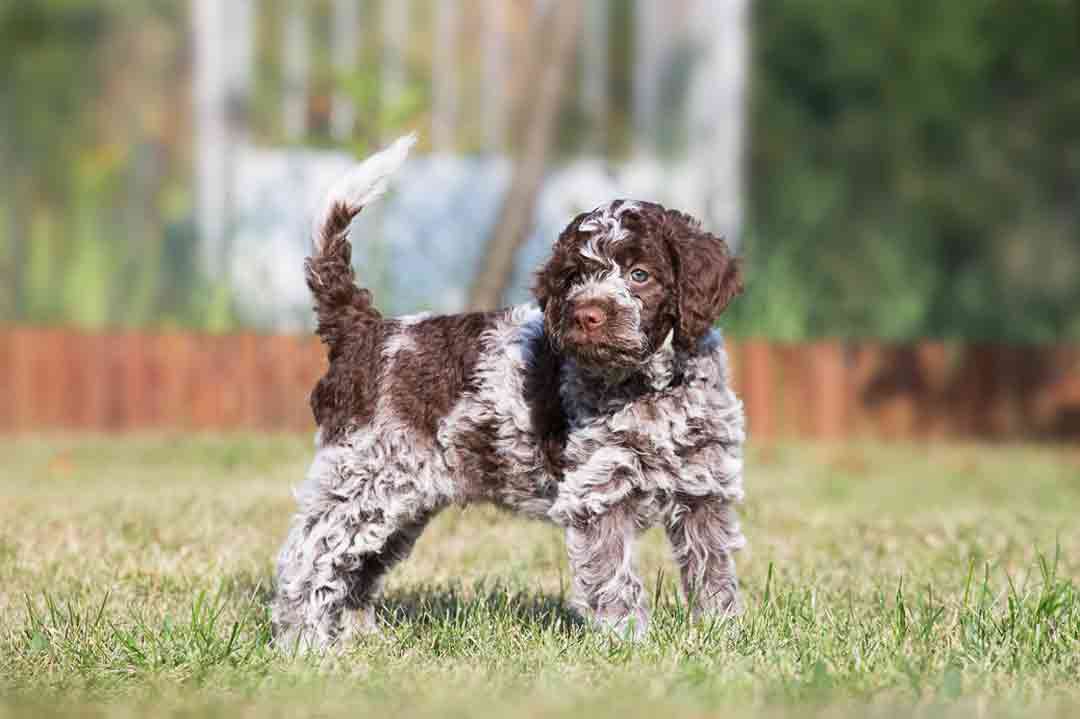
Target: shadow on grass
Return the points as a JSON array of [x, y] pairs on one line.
[[431, 606]]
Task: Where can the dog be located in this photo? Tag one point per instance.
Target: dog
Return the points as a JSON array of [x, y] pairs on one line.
[[605, 408]]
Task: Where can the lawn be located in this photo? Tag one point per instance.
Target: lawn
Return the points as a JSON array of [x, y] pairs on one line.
[[912, 580]]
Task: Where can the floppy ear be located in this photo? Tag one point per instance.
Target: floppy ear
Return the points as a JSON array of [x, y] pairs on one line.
[[707, 278], [548, 280]]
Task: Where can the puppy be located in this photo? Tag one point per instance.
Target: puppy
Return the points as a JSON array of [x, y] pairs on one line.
[[605, 408]]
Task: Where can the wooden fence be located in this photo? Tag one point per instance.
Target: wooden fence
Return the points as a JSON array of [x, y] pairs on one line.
[[65, 380]]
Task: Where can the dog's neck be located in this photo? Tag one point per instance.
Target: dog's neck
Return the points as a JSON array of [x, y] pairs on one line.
[[588, 391]]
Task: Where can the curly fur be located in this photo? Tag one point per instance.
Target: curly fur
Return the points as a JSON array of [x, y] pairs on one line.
[[604, 429]]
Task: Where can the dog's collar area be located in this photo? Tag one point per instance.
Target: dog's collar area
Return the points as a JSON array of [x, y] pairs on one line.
[[660, 371]]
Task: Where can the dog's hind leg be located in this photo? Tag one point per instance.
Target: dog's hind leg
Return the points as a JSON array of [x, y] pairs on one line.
[[366, 582], [606, 586], [331, 564], [704, 534]]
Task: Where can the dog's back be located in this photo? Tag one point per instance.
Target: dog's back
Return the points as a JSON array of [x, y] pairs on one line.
[[411, 369]]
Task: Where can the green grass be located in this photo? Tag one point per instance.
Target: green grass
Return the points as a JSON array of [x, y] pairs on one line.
[[911, 580]]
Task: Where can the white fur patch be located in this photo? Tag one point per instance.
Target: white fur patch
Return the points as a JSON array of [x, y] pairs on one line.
[[606, 228], [608, 285], [401, 341], [414, 319], [509, 352], [606, 221]]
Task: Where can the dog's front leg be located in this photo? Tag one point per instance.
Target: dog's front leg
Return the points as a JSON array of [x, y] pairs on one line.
[[704, 534], [605, 584]]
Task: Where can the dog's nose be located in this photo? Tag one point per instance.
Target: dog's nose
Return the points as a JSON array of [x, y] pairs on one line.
[[590, 317]]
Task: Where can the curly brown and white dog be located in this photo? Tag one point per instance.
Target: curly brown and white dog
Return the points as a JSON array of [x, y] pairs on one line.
[[606, 409]]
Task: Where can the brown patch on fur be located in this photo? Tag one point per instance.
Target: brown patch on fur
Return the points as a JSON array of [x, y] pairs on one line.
[[487, 471], [430, 378], [480, 466], [345, 396]]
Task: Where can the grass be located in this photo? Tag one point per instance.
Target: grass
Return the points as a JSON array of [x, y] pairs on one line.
[[928, 581]]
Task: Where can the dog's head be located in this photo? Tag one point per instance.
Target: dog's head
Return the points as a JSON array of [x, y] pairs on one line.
[[626, 275]]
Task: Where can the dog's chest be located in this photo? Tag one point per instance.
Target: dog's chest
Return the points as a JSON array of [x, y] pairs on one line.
[[673, 431], [655, 428]]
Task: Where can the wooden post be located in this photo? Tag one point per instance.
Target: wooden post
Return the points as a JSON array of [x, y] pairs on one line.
[[276, 356], [7, 378], [829, 390], [71, 360], [93, 389], [176, 380], [794, 417], [758, 382], [932, 408], [22, 378], [48, 369]]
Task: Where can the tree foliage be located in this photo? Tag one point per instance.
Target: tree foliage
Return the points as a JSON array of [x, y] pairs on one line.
[[94, 197], [915, 168]]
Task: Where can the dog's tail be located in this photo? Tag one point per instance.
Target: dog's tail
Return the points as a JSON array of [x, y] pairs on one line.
[[339, 303]]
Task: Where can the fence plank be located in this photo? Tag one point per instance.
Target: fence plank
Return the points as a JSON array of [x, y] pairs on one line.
[[7, 376], [1063, 393], [795, 417], [231, 385], [155, 368], [50, 378], [276, 357], [75, 386], [176, 353], [89, 382], [887, 381], [828, 389], [252, 392], [114, 386], [21, 378], [133, 360], [69, 365], [936, 362], [973, 396], [203, 394], [757, 380]]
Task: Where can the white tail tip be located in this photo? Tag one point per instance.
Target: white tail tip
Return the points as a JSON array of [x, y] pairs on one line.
[[363, 184]]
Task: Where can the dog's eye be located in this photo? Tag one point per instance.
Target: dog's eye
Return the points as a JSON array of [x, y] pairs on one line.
[[639, 276]]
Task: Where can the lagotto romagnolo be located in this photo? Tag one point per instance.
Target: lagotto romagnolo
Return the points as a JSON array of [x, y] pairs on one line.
[[605, 408]]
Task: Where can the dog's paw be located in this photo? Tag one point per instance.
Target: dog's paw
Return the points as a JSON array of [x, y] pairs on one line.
[[632, 626], [357, 625], [721, 607], [294, 641]]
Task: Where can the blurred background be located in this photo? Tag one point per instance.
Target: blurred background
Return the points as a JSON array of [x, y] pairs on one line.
[[902, 176]]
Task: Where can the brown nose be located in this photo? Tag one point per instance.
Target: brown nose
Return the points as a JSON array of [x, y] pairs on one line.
[[590, 317]]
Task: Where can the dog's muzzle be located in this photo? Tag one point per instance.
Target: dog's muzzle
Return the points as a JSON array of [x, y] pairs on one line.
[[600, 334]]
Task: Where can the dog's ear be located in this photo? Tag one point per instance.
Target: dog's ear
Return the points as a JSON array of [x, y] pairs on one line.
[[549, 279], [707, 277]]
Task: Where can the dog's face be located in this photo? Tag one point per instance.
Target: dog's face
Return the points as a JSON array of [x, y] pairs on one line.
[[626, 275]]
